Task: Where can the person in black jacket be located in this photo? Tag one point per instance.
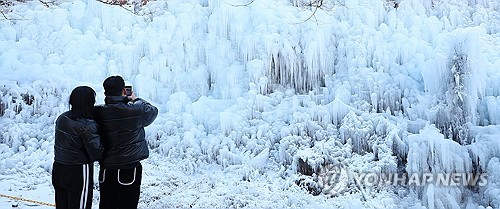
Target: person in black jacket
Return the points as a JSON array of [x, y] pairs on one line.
[[77, 145], [121, 124]]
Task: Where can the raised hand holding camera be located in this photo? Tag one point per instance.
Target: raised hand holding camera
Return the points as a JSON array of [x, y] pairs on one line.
[[129, 93]]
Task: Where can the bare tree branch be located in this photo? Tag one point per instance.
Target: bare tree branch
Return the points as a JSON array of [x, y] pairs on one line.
[[318, 4], [240, 5], [120, 3], [114, 2], [7, 18], [4, 16], [316, 7], [45, 3]]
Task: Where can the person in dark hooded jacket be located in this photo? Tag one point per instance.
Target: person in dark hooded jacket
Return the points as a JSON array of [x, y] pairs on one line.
[[77, 145], [121, 124]]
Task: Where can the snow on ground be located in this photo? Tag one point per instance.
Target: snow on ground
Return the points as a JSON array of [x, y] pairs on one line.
[[255, 100], [166, 185]]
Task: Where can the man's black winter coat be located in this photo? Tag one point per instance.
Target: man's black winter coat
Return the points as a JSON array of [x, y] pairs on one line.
[[121, 126]]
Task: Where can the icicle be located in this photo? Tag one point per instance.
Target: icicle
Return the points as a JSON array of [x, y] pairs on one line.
[[430, 196], [493, 107]]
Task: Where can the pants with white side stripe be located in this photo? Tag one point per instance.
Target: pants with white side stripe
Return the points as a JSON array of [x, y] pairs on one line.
[[120, 188], [73, 185]]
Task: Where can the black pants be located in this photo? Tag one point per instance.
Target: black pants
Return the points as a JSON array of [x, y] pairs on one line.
[[73, 185], [120, 188]]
